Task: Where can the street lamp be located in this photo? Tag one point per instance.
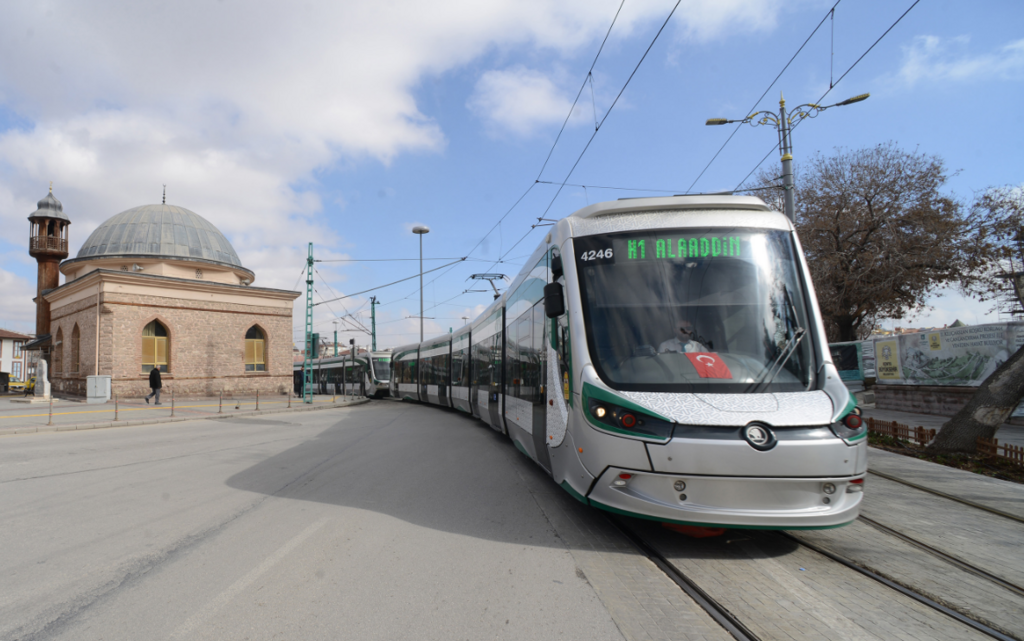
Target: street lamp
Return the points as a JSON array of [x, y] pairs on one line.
[[782, 124], [420, 230]]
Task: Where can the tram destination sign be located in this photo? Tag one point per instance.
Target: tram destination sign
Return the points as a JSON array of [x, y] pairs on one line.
[[669, 245]]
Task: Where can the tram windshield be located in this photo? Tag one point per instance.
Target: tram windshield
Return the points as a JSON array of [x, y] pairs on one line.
[[719, 310], [382, 368]]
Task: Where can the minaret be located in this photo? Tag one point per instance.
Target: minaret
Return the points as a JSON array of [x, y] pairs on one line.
[[48, 244]]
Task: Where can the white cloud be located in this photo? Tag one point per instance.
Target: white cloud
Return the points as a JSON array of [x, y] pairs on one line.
[[236, 105], [17, 311], [934, 59], [519, 99]]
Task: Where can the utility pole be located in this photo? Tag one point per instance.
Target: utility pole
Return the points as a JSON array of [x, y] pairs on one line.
[[420, 230], [352, 351], [373, 323], [307, 365], [335, 338]]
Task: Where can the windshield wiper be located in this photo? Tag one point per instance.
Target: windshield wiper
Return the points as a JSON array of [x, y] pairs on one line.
[[783, 357]]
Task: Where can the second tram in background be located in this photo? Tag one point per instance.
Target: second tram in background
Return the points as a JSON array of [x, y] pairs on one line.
[[369, 375], [663, 358]]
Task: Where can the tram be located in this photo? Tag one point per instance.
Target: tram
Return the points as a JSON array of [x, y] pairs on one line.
[[369, 375], [663, 358]]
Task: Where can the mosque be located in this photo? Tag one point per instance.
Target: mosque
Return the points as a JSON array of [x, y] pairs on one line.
[[156, 286]]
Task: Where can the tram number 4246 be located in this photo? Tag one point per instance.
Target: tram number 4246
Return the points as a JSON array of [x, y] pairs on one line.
[[597, 254]]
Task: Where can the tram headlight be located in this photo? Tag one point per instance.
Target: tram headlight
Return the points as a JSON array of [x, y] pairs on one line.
[[628, 421], [828, 488]]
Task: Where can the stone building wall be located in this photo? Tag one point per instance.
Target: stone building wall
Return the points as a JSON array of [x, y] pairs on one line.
[[83, 314], [923, 399], [206, 341]]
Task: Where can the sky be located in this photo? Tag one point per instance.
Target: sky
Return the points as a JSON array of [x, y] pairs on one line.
[[346, 124]]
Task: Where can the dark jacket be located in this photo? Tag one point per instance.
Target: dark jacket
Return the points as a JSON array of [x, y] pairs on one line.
[[154, 378]]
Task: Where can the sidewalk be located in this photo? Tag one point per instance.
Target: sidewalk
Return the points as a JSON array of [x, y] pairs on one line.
[[18, 418], [1007, 433]]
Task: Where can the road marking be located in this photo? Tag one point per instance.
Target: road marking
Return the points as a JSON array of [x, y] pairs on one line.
[[225, 597]]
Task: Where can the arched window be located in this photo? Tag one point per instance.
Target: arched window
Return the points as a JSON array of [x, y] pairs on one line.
[[154, 347], [58, 352], [76, 337], [255, 350]]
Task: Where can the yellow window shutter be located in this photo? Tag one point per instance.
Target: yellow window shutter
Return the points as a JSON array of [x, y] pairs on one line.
[[148, 350], [161, 350]]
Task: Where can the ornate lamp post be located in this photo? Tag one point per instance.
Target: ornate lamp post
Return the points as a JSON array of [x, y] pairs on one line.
[[782, 123]]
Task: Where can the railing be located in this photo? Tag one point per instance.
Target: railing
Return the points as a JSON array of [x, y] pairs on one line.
[[48, 243], [1011, 452], [922, 436], [901, 432]]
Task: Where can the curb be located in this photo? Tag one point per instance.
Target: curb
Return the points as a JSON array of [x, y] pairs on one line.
[[175, 419]]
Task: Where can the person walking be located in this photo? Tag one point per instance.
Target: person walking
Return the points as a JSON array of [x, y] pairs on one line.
[[155, 385]]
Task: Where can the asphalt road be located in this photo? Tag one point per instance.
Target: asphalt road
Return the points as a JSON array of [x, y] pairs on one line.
[[383, 521]]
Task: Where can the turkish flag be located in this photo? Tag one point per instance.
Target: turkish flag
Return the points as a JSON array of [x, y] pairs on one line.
[[709, 365]]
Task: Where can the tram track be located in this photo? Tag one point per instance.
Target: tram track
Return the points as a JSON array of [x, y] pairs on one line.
[[910, 592], [715, 610], [948, 558], [742, 632], [951, 497]]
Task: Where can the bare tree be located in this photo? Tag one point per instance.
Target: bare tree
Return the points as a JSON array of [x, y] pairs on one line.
[[999, 215], [879, 235]]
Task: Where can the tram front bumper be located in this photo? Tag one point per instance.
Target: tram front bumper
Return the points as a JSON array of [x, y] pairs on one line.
[[729, 502]]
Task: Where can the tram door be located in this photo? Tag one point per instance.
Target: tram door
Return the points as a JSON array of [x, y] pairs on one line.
[[539, 369]]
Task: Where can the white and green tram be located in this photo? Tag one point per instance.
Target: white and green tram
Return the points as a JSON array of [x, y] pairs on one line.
[[663, 358], [369, 374]]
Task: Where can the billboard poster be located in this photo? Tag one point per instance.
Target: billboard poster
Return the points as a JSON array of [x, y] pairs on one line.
[[887, 361], [957, 356]]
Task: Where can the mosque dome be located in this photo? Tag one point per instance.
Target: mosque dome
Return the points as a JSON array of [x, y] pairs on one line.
[[159, 231]]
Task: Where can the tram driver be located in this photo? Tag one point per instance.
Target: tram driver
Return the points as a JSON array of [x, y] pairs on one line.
[[685, 341]]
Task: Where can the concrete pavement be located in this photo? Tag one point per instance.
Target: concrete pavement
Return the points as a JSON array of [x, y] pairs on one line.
[[393, 520]]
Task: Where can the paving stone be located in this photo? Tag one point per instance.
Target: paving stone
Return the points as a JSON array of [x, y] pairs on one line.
[[994, 493], [986, 540], [778, 600], [915, 568]]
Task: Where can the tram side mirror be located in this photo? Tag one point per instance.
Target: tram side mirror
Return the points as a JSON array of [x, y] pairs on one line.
[[554, 300], [556, 267]]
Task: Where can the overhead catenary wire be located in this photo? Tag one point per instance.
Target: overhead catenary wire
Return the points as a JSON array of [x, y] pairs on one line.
[[833, 86], [544, 165], [608, 113], [830, 12], [347, 313], [678, 192], [393, 260], [597, 129], [589, 78], [402, 280]]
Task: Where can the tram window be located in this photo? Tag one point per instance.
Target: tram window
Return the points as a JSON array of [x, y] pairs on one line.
[[511, 359], [539, 348], [524, 343]]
